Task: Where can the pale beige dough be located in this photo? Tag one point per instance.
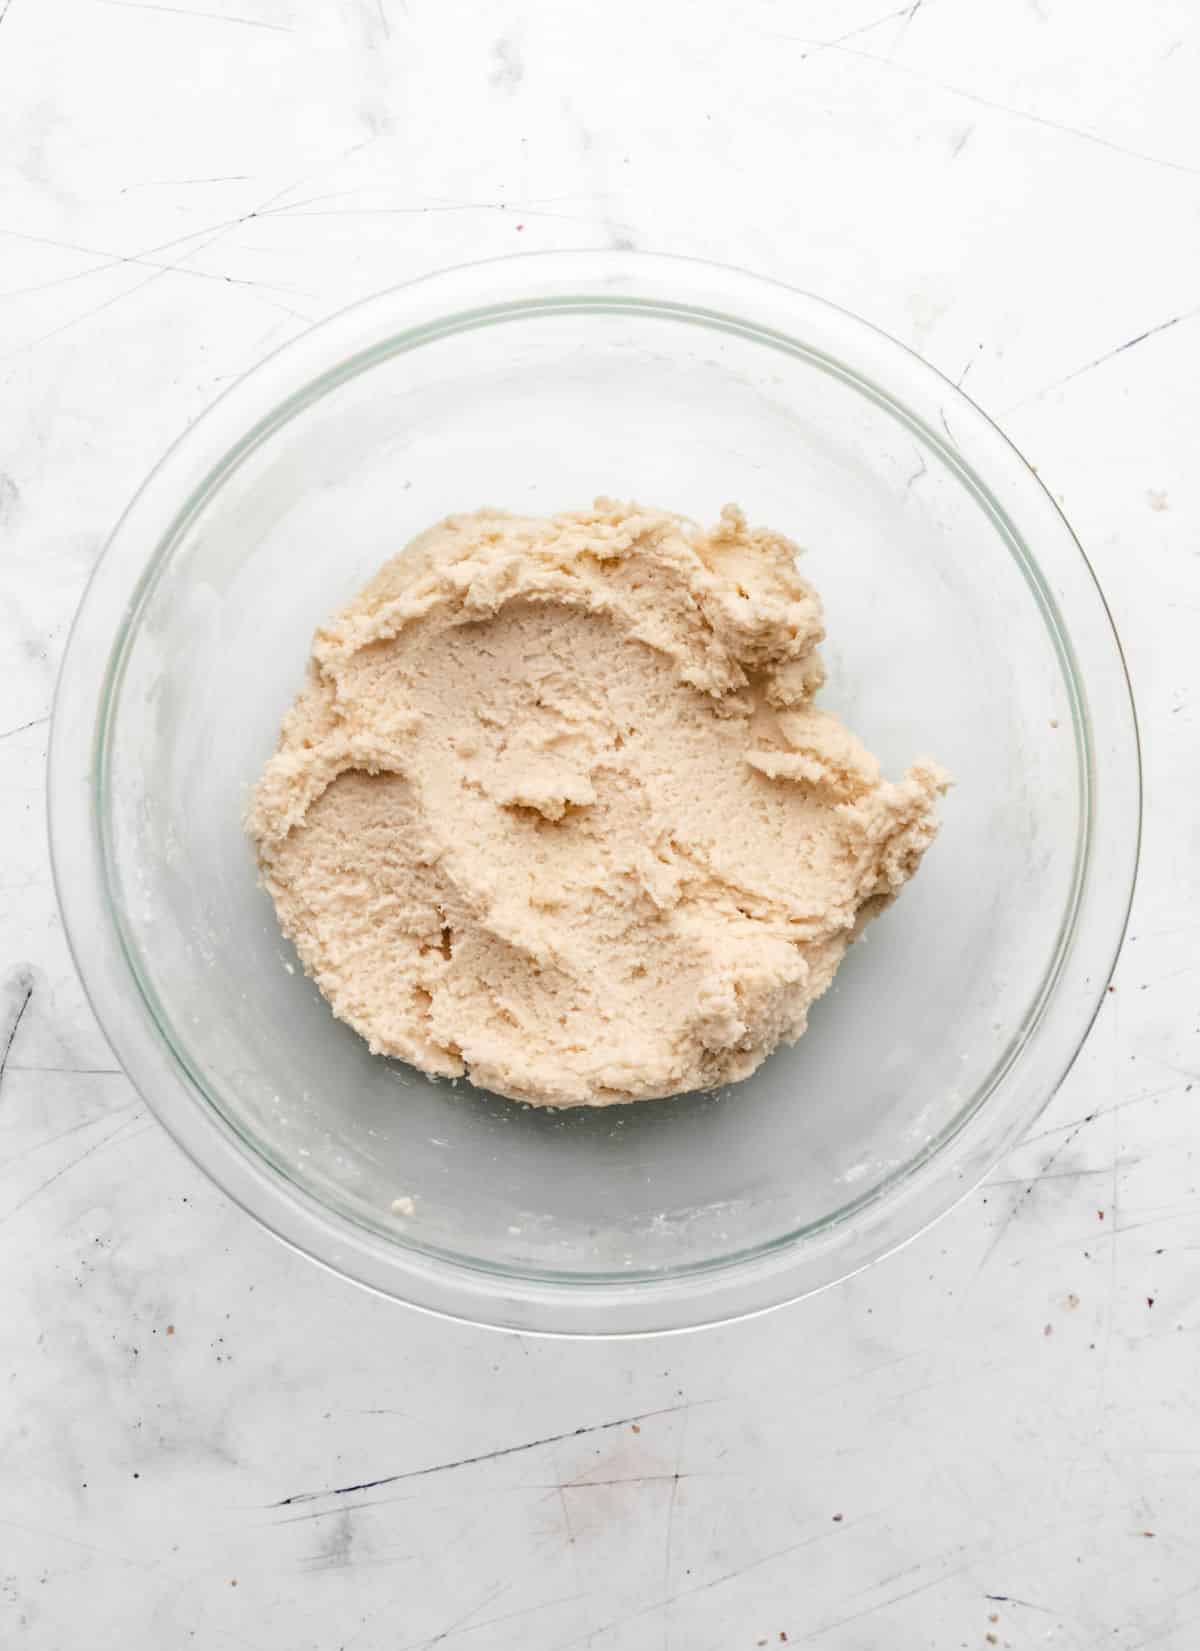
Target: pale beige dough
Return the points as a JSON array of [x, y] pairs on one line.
[[555, 808]]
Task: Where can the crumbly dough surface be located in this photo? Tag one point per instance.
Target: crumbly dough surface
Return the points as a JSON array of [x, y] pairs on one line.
[[555, 808]]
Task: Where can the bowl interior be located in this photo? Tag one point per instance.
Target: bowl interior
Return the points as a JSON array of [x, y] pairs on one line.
[[941, 643]]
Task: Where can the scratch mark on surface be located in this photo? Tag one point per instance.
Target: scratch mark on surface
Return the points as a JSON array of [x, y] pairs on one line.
[[894, 1599], [284, 309], [960, 143], [816, 47], [921, 1387], [1107, 1111], [24, 985], [1054, 1175], [452, 203], [75, 1162], [946, 1575], [472, 1461], [865, 1374], [181, 183], [1019, 1203], [1169, 1631], [427, 1644], [4, 10], [1011, 1599], [921, 470], [1057, 1129], [73, 1129], [96, 309], [116, 260], [211, 16], [1185, 1206], [24, 726], [334, 1513], [74, 1542], [293, 207], [698, 1588], [1187, 1072], [220, 231], [370, 1618], [627, 1479], [525, 1611], [266, 208], [1080, 132], [562, 1490], [904, 27], [666, 1581], [506, 207], [1109, 355]]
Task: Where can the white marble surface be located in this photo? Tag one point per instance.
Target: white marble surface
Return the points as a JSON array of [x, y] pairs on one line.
[[992, 1438]]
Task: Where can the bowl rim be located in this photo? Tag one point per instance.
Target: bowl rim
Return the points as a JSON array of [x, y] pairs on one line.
[[406, 317]]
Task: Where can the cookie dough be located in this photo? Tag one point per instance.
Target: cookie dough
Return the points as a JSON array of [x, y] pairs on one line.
[[556, 811]]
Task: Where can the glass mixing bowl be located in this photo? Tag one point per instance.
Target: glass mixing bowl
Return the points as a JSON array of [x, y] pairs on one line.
[[964, 623]]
